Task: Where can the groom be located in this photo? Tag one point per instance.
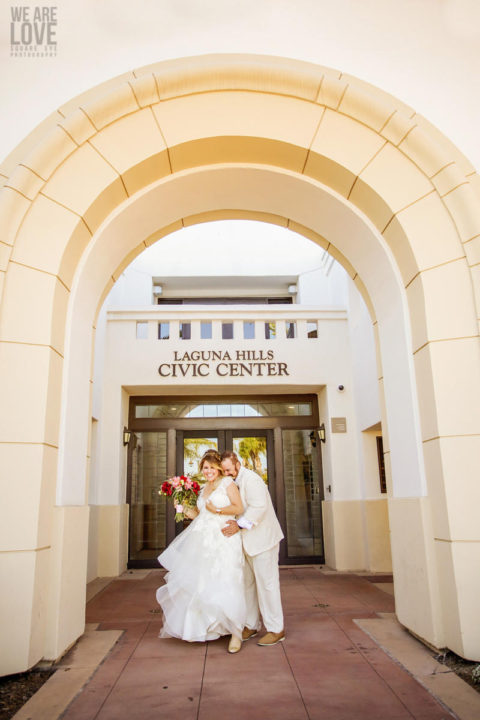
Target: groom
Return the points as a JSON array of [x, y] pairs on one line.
[[261, 535]]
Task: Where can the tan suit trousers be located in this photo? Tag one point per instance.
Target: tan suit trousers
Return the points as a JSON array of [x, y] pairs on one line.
[[262, 589]]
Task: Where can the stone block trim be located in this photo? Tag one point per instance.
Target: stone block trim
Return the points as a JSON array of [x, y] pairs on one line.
[[145, 90], [116, 104], [375, 114], [45, 157], [78, 126], [397, 127], [331, 92], [13, 207], [135, 148], [425, 152], [259, 73], [448, 178], [52, 239], [25, 182]]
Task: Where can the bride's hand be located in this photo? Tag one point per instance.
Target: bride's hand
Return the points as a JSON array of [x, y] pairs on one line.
[[190, 513], [211, 507]]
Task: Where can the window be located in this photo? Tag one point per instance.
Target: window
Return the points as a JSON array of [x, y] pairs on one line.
[[270, 330], [224, 300], [206, 330], [213, 408], [248, 330], [312, 329], [381, 465], [185, 331], [290, 328], [227, 331], [163, 331], [142, 330]]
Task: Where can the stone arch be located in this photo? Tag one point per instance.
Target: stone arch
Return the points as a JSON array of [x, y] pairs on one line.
[[322, 137]]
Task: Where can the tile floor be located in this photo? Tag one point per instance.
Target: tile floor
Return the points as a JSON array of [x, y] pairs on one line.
[[327, 668]]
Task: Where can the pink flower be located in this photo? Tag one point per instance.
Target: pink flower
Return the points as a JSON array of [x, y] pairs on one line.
[[188, 483], [176, 482]]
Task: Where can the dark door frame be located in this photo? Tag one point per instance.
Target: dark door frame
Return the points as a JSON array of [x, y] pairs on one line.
[[271, 427]]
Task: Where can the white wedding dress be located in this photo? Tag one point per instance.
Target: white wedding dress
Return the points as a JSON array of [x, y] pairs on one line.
[[203, 597]]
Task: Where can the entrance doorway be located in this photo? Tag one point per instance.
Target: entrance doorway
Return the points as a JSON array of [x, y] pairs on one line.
[[275, 437]]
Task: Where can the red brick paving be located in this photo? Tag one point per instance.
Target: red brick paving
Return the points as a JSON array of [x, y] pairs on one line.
[[327, 668]]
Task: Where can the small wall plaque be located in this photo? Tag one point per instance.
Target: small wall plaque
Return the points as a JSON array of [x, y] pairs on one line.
[[339, 425]]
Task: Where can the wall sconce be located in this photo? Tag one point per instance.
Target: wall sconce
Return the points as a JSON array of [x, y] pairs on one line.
[[127, 434], [321, 432]]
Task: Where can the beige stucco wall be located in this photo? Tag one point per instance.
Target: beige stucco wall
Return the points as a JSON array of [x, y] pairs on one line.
[[358, 172], [108, 540], [65, 581], [357, 535], [377, 530]]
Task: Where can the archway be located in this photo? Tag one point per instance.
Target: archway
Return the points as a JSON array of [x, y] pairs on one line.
[[323, 154]]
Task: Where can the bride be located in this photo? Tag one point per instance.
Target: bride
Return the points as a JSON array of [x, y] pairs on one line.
[[203, 597]]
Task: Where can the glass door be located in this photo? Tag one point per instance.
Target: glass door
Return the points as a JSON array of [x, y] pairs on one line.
[[192, 448], [147, 469], [295, 488], [254, 449], [303, 497]]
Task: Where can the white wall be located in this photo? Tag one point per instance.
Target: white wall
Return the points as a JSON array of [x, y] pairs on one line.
[[317, 288], [133, 287], [364, 363], [232, 248]]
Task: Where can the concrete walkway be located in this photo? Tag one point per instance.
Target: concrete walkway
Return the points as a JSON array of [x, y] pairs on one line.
[[328, 668]]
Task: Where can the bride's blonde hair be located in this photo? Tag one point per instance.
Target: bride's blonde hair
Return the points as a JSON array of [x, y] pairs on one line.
[[213, 458]]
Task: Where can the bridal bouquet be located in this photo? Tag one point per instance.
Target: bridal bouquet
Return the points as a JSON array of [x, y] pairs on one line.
[[183, 490]]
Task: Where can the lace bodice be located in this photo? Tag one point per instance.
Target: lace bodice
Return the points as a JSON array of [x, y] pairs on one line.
[[219, 497]]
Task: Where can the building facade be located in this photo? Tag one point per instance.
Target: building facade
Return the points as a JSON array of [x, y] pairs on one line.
[[238, 362], [298, 145]]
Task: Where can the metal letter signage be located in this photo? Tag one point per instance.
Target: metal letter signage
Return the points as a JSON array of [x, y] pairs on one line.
[[239, 363]]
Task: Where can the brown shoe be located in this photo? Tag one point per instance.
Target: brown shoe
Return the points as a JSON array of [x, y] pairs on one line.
[[248, 633], [235, 644], [272, 638]]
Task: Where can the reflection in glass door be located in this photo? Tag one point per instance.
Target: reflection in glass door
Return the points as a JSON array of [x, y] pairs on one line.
[[252, 451], [303, 506], [254, 448], [147, 518], [193, 450]]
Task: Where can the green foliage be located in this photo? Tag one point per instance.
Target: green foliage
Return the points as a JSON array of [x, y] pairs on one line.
[[253, 452], [193, 449]]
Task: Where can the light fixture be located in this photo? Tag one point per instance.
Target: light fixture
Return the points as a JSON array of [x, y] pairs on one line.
[[321, 432], [127, 434]]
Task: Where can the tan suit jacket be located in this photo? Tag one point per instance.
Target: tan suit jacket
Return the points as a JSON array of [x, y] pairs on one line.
[[258, 509]]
